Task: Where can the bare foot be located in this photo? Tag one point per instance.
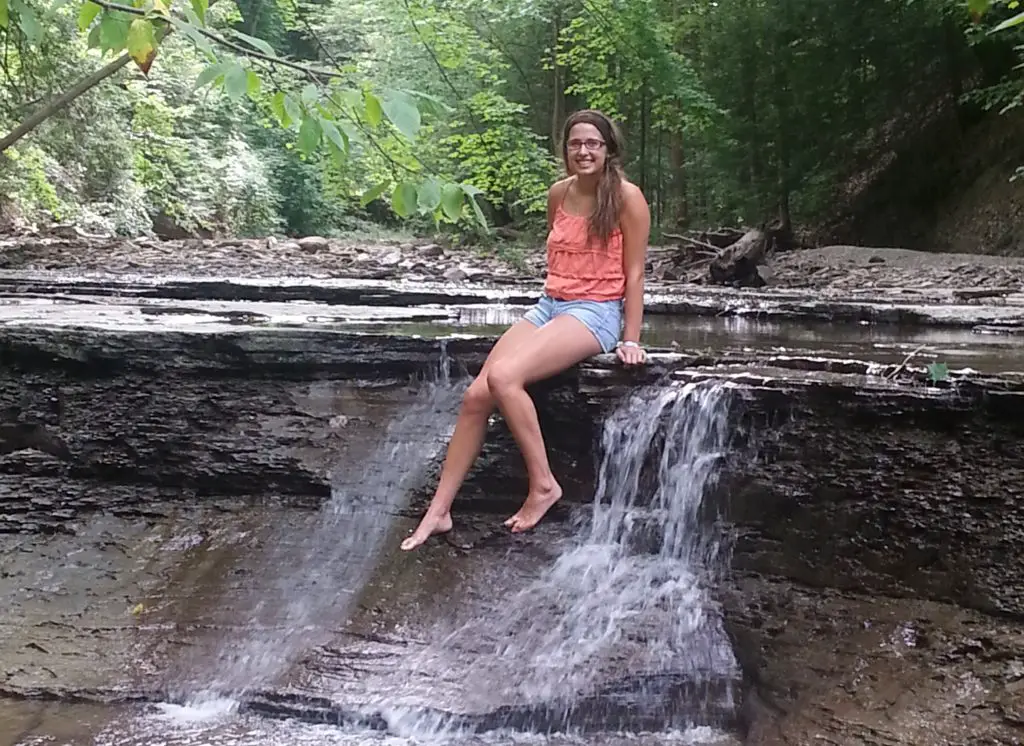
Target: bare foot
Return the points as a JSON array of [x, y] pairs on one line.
[[536, 506], [429, 526]]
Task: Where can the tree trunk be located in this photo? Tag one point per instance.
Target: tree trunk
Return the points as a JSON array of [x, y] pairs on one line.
[[642, 182], [557, 86]]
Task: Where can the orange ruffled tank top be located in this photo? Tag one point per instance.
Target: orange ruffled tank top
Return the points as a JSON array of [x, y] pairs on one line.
[[580, 269]]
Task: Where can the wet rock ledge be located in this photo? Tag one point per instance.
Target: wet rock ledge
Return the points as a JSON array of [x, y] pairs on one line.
[[876, 519]]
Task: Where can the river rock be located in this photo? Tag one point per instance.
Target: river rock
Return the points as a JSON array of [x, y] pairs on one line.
[[313, 244]]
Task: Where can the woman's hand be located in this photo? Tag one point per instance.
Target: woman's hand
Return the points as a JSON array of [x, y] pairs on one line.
[[631, 353]]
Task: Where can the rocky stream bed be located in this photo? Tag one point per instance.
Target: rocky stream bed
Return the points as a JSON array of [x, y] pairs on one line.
[[177, 415]]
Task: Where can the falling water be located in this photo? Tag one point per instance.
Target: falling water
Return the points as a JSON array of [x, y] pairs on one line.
[[316, 577], [629, 598]]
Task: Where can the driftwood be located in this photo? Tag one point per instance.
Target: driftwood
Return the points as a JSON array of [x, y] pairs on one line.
[[737, 264], [727, 256]]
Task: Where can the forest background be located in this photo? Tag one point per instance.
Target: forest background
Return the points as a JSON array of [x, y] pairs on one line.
[[873, 122]]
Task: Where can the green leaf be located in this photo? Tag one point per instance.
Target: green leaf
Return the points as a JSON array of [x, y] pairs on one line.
[[1010, 22], [255, 43], [28, 22], [86, 14], [403, 199], [199, 7], [402, 113], [113, 32], [236, 81], [291, 106], [191, 30], [209, 74], [309, 135], [429, 196], [5, 14], [373, 193], [374, 113], [334, 135], [252, 84], [977, 8], [277, 106], [141, 39], [452, 198], [471, 191], [310, 93]]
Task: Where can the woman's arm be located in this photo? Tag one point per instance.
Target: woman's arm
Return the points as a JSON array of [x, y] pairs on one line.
[[635, 223]]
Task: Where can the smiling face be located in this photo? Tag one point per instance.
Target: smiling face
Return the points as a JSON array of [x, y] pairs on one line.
[[585, 150]]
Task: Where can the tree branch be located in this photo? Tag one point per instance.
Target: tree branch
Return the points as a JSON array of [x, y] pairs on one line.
[[236, 48], [43, 113]]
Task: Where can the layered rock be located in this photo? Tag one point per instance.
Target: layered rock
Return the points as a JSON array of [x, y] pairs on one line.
[[874, 516]]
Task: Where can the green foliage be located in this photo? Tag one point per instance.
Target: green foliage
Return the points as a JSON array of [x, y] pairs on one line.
[[30, 187], [286, 115], [506, 161]]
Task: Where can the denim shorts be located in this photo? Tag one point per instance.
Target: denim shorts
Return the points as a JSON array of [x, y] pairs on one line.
[[602, 317]]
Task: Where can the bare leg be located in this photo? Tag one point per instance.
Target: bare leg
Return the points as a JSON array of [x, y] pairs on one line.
[[557, 345], [467, 440]]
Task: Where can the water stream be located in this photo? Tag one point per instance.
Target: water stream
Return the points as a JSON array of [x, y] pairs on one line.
[[315, 578], [623, 616], [610, 636]]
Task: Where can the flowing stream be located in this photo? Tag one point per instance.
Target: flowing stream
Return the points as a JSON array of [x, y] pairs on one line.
[[613, 638], [622, 620], [316, 577]]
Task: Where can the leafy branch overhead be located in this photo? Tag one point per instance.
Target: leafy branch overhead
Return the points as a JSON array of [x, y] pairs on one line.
[[323, 107]]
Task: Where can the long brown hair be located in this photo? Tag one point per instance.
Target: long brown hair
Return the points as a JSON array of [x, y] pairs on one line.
[[605, 218]]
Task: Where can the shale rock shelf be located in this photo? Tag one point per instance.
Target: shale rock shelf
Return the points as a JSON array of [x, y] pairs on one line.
[[1001, 312], [154, 478]]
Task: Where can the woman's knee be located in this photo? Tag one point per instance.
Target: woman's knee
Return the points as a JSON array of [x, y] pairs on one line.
[[478, 399], [502, 377]]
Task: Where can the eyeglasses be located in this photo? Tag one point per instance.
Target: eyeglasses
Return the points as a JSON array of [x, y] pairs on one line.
[[591, 144]]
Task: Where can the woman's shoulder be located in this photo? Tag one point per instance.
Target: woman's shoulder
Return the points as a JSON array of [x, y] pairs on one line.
[[631, 191], [559, 188]]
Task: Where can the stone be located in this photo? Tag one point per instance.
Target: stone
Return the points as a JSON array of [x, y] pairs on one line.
[[455, 274], [390, 259], [313, 244]]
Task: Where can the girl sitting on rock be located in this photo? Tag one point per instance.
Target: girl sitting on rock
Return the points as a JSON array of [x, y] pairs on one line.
[[598, 227]]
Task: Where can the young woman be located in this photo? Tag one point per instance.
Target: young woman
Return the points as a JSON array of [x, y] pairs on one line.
[[598, 226]]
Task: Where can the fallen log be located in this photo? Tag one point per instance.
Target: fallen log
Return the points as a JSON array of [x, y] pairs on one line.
[[737, 264]]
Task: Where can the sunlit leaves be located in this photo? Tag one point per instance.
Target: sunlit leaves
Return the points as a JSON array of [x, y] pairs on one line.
[[977, 8], [374, 112], [5, 14], [277, 107], [141, 40], [1010, 22], [86, 14]]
